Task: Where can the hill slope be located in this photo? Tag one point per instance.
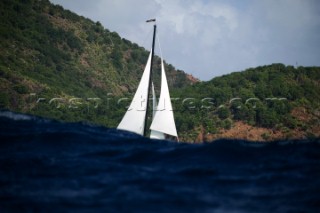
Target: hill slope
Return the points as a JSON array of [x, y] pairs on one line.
[[57, 64], [262, 103], [61, 58]]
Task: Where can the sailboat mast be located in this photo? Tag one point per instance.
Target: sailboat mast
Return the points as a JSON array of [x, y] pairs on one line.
[[150, 77]]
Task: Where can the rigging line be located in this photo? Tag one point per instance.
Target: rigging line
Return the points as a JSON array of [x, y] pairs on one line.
[[162, 60], [159, 47], [145, 39]]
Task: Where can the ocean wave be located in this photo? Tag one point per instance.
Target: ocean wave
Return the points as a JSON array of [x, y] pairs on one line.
[[15, 116], [67, 167]]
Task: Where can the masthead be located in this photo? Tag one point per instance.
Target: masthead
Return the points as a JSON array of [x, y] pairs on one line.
[[151, 20]]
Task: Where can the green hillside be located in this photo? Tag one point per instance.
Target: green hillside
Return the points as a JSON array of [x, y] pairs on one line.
[[283, 99], [56, 64]]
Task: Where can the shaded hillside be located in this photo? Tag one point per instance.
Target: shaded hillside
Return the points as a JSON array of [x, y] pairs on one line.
[[50, 56], [267, 102]]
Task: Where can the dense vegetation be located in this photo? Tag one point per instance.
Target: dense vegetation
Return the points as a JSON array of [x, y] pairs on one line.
[[57, 64], [263, 97]]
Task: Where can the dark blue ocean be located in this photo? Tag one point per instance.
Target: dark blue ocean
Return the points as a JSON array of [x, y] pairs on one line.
[[49, 166]]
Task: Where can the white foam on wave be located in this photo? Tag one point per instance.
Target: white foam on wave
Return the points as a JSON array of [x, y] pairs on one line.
[[15, 116]]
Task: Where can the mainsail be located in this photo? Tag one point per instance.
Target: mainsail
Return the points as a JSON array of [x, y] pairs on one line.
[[134, 119]]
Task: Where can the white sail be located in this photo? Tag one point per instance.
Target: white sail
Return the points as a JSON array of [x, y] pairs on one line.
[[154, 102], [163, 121], [155, 134], [134, 119]]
